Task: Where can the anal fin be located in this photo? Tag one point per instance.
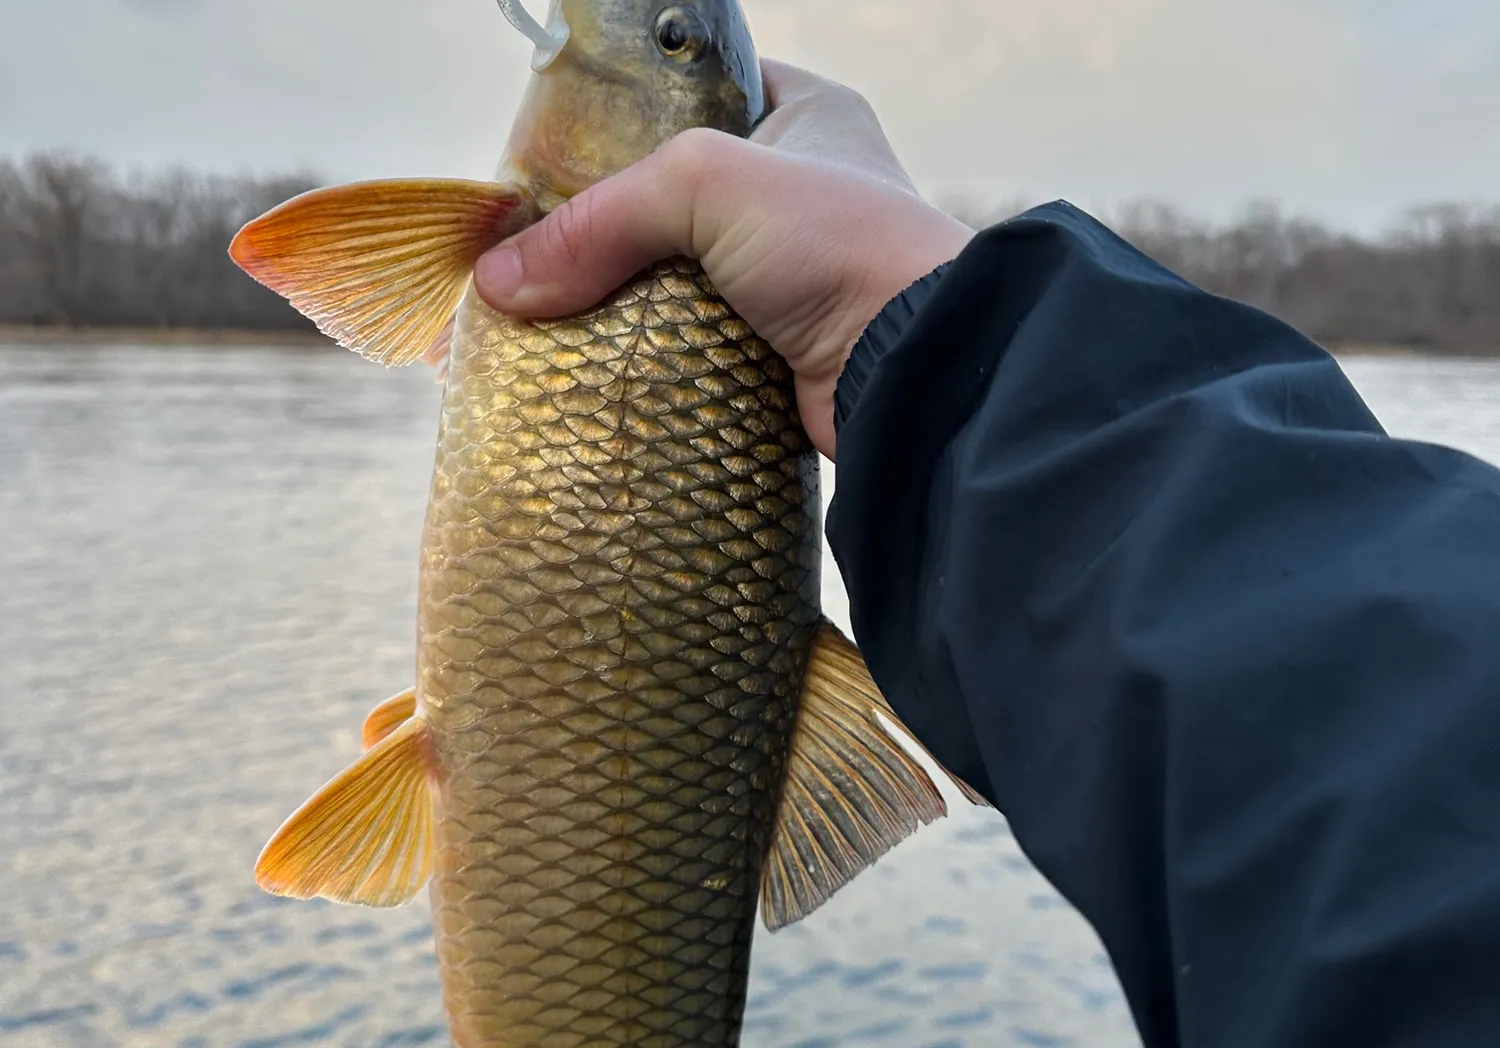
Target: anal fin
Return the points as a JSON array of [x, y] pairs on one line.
[[852, 793], [367, 836]]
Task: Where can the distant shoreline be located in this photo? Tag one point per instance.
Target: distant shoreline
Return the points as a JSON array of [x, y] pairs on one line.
[[45, 335]]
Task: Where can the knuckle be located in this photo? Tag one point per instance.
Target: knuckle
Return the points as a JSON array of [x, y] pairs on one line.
[[848, 95], [698, 164], [695, 154], [855, 103]]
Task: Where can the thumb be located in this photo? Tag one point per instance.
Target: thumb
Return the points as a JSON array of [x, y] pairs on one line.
[[594, 242]]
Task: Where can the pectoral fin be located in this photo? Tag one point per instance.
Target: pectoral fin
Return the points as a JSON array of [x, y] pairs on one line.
[[367, 836], [381, 267], [389, 716], [852, 793]]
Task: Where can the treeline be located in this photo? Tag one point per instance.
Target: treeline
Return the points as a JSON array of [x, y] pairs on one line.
[[82, 245], [1432, 283]]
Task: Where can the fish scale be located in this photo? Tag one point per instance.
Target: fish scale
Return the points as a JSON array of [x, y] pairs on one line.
[[619, 591]]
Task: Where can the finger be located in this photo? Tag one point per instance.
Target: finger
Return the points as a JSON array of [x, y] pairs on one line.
[[787, 83], [595, 242], [815, 117], [807, 107]]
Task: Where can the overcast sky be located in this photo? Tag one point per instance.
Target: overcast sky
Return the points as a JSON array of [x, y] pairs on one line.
[[1346, 109]]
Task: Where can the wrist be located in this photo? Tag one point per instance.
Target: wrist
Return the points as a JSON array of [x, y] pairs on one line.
[[877, 338]]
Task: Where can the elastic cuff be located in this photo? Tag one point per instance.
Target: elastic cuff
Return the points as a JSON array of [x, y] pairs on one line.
[[879, 336]]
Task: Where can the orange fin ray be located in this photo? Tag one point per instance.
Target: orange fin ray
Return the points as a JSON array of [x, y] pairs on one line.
[[381, 267], [852, 792], [367, 836], [389, 716]]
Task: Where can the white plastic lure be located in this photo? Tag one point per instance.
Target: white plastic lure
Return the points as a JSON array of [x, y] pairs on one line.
[[549, 40]]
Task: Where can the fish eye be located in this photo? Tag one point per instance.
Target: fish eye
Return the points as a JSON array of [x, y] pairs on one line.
[[681, 33]]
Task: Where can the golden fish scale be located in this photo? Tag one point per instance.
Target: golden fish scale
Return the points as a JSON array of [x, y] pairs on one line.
[[619, 590]]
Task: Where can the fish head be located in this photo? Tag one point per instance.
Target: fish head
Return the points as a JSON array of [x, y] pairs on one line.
[[614, 80]]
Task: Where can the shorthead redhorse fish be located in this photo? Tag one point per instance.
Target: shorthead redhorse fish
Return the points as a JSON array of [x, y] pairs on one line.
[[631, 723]]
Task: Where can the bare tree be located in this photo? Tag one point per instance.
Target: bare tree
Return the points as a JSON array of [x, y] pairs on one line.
[[82, 246], [1432, 283]]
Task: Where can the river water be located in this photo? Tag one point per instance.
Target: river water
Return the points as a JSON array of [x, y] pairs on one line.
[[207, 574]]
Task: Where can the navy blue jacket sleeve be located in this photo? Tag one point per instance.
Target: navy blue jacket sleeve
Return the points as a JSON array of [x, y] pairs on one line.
[[1139, 564]]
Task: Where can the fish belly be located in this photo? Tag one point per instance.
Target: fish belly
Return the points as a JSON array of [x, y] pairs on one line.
[[619, 590]]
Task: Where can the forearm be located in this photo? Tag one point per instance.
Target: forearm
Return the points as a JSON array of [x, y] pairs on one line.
[[1139, 564]]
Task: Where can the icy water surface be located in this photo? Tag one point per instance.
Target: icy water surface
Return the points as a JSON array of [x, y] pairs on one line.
[[207, 573]]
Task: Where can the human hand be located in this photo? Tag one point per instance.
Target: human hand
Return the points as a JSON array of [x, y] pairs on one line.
[[807, 229]]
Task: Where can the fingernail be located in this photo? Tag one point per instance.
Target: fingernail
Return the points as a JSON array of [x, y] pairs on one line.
[[498, 272]]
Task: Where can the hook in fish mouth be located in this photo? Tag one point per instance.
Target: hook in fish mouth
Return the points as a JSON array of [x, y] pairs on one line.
[[549, 41]]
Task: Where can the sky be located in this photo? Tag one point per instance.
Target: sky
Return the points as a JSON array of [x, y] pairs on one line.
[[1344, 110]]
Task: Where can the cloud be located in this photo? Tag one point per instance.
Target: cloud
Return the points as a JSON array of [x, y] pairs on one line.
[[1348, 108], [162, 7], [1345, 108]]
